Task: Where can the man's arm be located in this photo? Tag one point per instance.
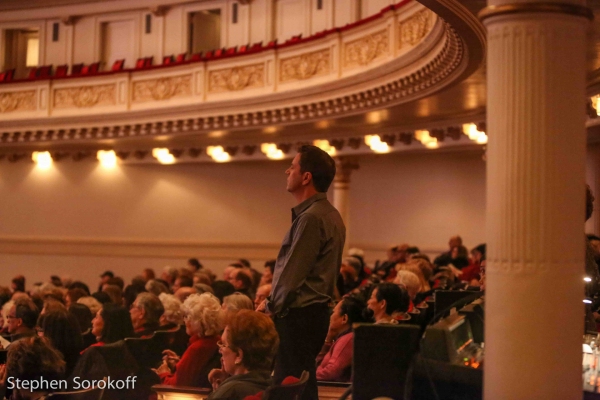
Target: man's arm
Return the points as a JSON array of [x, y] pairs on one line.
[[301, 258]]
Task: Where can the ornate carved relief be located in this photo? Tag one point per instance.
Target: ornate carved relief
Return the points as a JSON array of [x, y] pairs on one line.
[[236, 78], [413, 29], [305, 66], [17, 101], [366, 49], [85, 96], [162, 88]]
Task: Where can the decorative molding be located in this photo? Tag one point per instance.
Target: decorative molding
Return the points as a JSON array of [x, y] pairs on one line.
[[412, 30], [85, 96], [546, 8], [236, 78], [162, 88], [305, 66], [17, 101], [363, 51]]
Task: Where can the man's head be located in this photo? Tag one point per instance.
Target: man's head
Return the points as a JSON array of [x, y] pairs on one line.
[[267, 276], [262, 293], [146, 310], [22, 316], [312, 168], [241, 279], [455, 241], [106, 276]]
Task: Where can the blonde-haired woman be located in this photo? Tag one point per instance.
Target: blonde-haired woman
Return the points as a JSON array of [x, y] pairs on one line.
[[203, 319]]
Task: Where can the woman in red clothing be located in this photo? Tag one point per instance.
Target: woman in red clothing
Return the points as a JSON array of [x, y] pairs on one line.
[[204, 322]]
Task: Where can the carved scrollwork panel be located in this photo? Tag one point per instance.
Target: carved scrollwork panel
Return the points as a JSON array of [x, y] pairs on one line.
[[17, 101], [162, 88], [236, 78], [305, 66], [414, 28], [363, 51], [85, 96]]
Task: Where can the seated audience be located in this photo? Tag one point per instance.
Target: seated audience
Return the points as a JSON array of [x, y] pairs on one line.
[[222, 289], [145, 314], [73, 295], [115, 293], [91, 303], [352, 276], [182, 281], [261, 294], [21, 319], [104, 278], [388, 301], [446, 258], [17, 284], [156, 287], [173, 315], [248, 346], [203, 322], [184, 292], [148, 274], [336, 363], [237, 301], [267, 276], [62, 329], [412, 284], [102, 297], [30, 359], [83, 315], [194, 264], [241, 279], [169, 275], [111, 324]]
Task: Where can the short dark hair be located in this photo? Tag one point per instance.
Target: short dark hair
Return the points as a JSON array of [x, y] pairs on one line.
[[19, 282], [82, 314], [185, 281], [152, 305], [195, 263], [243, 276], [27, 311], [117, 323], [320, 165], [102, 297], [222, 289], [117, 281], [80, 285], [244, 262], [396, 297], [354, 308], [271, 265]]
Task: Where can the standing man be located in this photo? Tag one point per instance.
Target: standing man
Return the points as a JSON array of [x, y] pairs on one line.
[[306, 267]]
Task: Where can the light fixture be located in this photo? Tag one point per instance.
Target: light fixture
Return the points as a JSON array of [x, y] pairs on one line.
[[271, 151], [426, 139], [325, 146], [43, 159], [218, 153], [375, 117], [270, 129], [587, 279], [107, 158], [474, 134], [375, 143], [587, 301], [596, 103], [163, 155]]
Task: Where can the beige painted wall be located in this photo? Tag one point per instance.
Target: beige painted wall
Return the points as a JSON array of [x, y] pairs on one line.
[[152, 216]]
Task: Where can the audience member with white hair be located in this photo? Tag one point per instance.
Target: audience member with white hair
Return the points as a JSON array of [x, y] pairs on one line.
[[237, 301], [204, 321], [173, 315], [91, 303]]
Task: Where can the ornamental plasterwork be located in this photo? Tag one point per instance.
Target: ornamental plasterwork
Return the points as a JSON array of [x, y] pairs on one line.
[[363, 51], [85, 96], [162, 88], [413, 29], [236, 78], [305, 66], [17, 101]]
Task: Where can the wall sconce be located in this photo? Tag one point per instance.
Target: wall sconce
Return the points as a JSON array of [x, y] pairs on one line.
[[218, 154], [474, 134], [375, 143], [271, 151], [424, 137], [107, 158], [596, 103], [325, 146], [163, 155], [43, 159]]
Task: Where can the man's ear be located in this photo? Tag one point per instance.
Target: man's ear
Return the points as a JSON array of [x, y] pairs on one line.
[[306, 178], [240, 357]]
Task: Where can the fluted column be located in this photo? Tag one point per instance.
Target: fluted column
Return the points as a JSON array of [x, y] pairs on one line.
[[341, 191], [535, 199]]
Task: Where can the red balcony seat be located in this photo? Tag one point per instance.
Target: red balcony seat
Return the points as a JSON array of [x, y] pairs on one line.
[[180, 58], [168, 60], [196, 57], [76, 69], [230, 51], [10, 74], [61, 71], [209, 55], [118, 65], [32, 73], [139, 64], [244, 48], [256, 46], [272, 44], [148, 61], [44, 71]]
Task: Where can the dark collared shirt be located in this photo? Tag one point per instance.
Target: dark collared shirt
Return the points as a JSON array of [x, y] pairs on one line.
[[310, 256]]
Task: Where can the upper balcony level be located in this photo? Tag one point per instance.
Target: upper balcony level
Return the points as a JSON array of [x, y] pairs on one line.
[[152, 73]]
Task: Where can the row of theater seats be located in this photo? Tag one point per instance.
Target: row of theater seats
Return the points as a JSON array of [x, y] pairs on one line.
[[46, 71]]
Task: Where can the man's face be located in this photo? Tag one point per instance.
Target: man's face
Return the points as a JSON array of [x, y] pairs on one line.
[[12, 321], [267, 276], [261, 294], [454, 241], [596, 246], [294, 179]]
